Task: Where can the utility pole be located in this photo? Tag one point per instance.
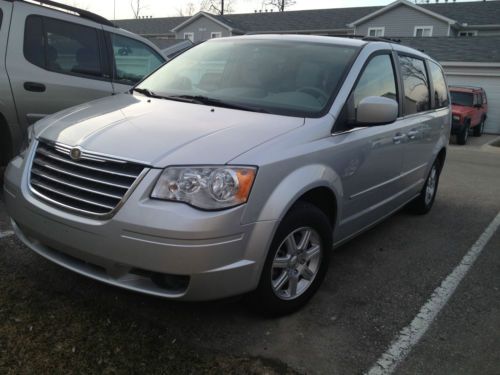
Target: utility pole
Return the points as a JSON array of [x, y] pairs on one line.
[[222, 7]]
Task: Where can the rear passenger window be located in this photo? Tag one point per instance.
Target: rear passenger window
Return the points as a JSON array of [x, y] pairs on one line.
[[416, 85], [440, 90], [133, 59], [62, 47]]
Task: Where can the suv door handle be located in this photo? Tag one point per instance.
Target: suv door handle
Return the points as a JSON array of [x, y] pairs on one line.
[[398, 138], [412, 134], [34, 86]]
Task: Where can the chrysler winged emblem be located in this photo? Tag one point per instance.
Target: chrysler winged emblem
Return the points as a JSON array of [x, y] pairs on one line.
[[75, 154]]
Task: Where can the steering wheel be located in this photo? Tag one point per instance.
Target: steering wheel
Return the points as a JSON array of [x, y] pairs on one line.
[[317, 93]]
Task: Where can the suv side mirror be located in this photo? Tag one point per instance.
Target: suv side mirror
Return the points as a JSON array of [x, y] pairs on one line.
[[376, 110]]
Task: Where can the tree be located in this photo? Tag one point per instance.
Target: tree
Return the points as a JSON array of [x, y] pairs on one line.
[[281, 5], [188, 10], [137, 6], [217, 6]]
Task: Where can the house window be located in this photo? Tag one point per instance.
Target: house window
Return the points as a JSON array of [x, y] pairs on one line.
[[423, 31], [217, 34], [189, 36], [376, 31], [468, 33]]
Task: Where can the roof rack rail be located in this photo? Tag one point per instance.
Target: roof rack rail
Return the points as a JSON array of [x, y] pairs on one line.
[[467, 87], [381, 39], [80, 12]]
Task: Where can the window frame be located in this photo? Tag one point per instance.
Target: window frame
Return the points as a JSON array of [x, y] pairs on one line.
[[111, 57], [431, 28], [431, 85], [378, 28], [402, 87], [465, 33], [192, 36], [105, 76], [218, 33], [397, 81]]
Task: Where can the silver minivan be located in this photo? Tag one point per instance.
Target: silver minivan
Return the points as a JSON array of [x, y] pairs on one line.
[[54, 56], [236, 168]]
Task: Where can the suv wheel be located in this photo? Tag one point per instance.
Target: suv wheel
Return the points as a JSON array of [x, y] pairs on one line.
[[423, 203], [296, 263], [478, 130], [463, 136]]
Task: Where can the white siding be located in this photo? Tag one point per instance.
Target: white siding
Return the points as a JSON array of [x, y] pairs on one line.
[[401, 21], [487, 78]]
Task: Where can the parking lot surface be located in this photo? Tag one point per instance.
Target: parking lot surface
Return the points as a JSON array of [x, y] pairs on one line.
[[52, 320]]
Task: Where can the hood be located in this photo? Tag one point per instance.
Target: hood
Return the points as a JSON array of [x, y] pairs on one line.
[[159, 132], [460, 110]]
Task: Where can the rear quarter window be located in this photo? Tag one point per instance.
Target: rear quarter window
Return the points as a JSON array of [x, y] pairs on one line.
[[441, 98]]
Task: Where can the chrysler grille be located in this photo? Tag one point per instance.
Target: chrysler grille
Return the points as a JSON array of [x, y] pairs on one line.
[[88, 184]]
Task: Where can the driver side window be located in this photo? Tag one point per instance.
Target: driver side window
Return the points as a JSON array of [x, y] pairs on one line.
[[377, 79]]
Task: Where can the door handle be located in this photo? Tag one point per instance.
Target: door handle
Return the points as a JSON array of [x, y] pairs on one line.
[[398, 138], [412, 134], [34, 86]]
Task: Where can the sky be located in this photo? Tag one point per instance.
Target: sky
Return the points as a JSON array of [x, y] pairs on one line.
[[168, 8]]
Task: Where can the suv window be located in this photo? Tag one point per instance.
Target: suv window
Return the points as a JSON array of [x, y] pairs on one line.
[[440, 91], [416, 85], [133, 59], [62, 47], [1, 18], [377, 79]]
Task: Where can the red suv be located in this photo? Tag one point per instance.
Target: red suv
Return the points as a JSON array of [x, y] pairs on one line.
[[469, 107]]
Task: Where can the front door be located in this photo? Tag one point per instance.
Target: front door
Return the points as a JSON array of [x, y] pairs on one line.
[[54, 64], [368, 159]]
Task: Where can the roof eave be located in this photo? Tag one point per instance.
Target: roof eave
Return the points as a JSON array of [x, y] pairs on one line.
[[401, 2]]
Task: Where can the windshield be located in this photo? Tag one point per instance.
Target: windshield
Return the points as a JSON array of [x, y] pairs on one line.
[[462, 98], [281, 77]]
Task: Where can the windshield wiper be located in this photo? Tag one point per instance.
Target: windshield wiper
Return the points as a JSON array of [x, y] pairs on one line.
[[200, 99], [146, 92]]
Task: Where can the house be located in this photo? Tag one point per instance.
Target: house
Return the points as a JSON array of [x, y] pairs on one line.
[[464, 37]]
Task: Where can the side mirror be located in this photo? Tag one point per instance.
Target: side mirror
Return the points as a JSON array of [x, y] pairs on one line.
[[376, 110]]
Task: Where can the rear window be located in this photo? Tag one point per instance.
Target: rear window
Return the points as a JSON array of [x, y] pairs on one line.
[[438, 82], [416, 85], [462, 98], [62, 47]]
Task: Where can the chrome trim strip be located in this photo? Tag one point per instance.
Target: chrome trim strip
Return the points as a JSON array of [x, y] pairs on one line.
[[61, 182], [62, 160], [77, 175], [70, 196]]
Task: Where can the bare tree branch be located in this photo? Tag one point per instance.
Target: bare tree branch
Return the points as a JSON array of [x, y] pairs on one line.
[[137, 6], [187, 11], [281, 5], [218, 6]]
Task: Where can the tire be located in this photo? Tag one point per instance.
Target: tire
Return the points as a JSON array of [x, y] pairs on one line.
[[423, 203], [277, 294], [463, 135], [478, 130]]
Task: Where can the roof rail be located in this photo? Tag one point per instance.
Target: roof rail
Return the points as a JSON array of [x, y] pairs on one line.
[[380, 39], [68, 8], [466, 87]]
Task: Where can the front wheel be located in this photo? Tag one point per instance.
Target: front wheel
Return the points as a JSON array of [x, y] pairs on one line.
[[463, 135], [296, 263], [478, 130], [423, 203]]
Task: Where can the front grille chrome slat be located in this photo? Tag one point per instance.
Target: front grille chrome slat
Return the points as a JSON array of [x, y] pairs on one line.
[[91, 184]]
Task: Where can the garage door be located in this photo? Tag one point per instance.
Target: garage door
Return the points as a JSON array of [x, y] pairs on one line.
[[492, 88]]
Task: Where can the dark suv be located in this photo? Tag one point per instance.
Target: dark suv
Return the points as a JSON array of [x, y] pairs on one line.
[[470, 108]]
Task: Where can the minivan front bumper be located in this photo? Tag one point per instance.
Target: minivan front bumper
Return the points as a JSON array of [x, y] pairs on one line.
[[165, 249]]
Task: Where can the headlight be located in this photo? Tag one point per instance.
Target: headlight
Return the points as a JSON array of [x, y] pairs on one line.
[[208, 188], [456, 118], [27, 141]]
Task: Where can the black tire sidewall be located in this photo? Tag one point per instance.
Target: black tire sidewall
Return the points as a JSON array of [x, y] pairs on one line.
[[302, 214]]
